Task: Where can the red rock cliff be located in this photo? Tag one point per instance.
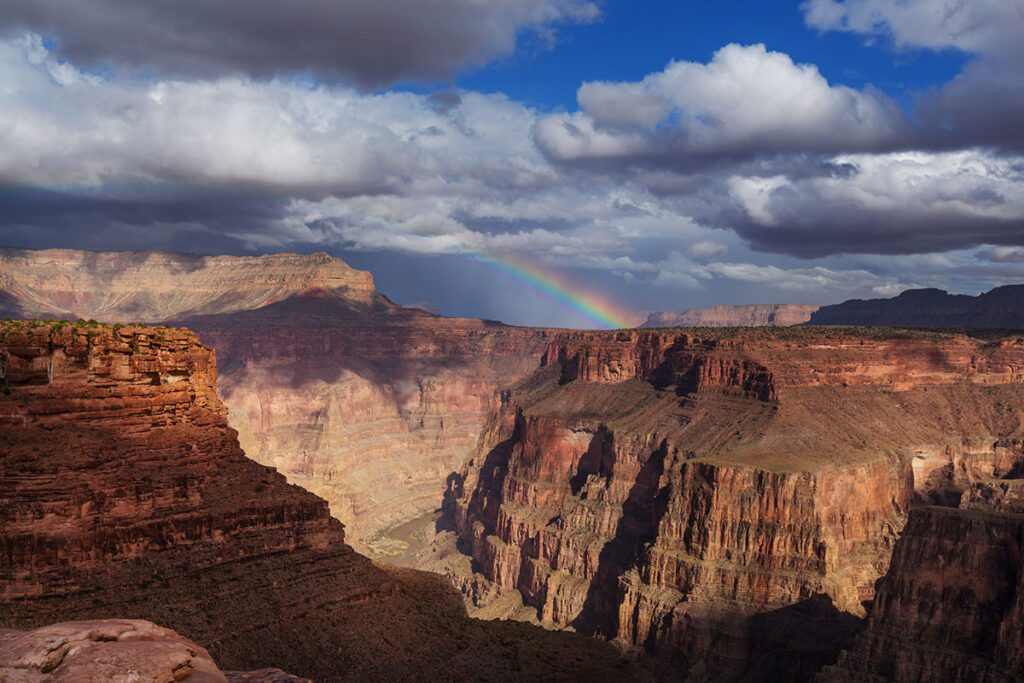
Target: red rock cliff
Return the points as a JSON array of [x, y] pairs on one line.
[[702, 493]]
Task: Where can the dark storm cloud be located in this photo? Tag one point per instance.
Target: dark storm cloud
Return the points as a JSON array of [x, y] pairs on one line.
[[194, 220], [370, 42]]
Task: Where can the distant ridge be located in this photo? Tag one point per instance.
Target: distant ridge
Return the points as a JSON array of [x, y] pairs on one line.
[[156, 286], [1000, 308], [756, 315]]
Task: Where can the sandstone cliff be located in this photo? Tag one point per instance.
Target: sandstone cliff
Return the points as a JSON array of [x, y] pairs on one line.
[[372, 412], [727, 499], [1000, 308], [125, 495], [754, 315]]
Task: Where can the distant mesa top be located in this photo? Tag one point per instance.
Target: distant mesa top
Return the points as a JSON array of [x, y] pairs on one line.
[[757, 315], [1000, 308]]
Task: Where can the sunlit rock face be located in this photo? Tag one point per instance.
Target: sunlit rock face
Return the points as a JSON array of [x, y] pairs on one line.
[[730, 499], [125, 495]]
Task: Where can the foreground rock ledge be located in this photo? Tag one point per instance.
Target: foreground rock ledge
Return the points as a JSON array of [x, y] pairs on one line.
[[114, 650]]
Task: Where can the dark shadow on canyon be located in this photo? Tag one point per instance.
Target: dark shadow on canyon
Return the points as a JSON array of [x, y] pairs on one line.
[[795, 642]]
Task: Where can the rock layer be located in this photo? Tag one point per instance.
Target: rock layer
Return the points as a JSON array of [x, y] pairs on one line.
[[727, 498], [372, 411], [753, 315], [126, 495]]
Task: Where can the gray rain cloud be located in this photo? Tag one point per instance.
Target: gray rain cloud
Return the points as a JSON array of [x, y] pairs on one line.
[[368, 42]]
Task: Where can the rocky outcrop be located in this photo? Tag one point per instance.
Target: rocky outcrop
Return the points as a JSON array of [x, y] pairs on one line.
[[116, 651], [1000, 308], [727, 499], [753, 315], [125, 495], [950, 608], [367, 404]]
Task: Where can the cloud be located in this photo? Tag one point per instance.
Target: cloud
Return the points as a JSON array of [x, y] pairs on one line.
[[977, 26], [909, 202], [747, 101], [984, 104], [678, 271], [369, 42]]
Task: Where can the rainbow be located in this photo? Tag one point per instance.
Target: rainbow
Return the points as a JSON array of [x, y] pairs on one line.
[[594, 307]]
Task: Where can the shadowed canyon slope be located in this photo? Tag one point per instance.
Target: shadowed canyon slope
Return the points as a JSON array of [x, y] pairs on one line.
[[125, 495], [365, 403], [755, 315], [730, 499]]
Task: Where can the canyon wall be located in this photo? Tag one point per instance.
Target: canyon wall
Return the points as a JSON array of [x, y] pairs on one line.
[[753, 315], [125, 494], [373, 413], [727, 500], [951, 607]]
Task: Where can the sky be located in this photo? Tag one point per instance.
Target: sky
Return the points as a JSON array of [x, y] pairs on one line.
[[642, 154]]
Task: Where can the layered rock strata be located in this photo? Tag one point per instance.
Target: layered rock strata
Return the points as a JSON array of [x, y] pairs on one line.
[[753, 315], [125, 495], [372, 412], [727, 499]]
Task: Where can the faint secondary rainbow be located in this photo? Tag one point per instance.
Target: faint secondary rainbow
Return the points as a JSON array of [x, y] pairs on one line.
[[594, 307]]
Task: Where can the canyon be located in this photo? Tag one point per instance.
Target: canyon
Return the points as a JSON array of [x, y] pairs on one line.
[[753, 315], [126, 495], [773, 503], [728, 500]]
